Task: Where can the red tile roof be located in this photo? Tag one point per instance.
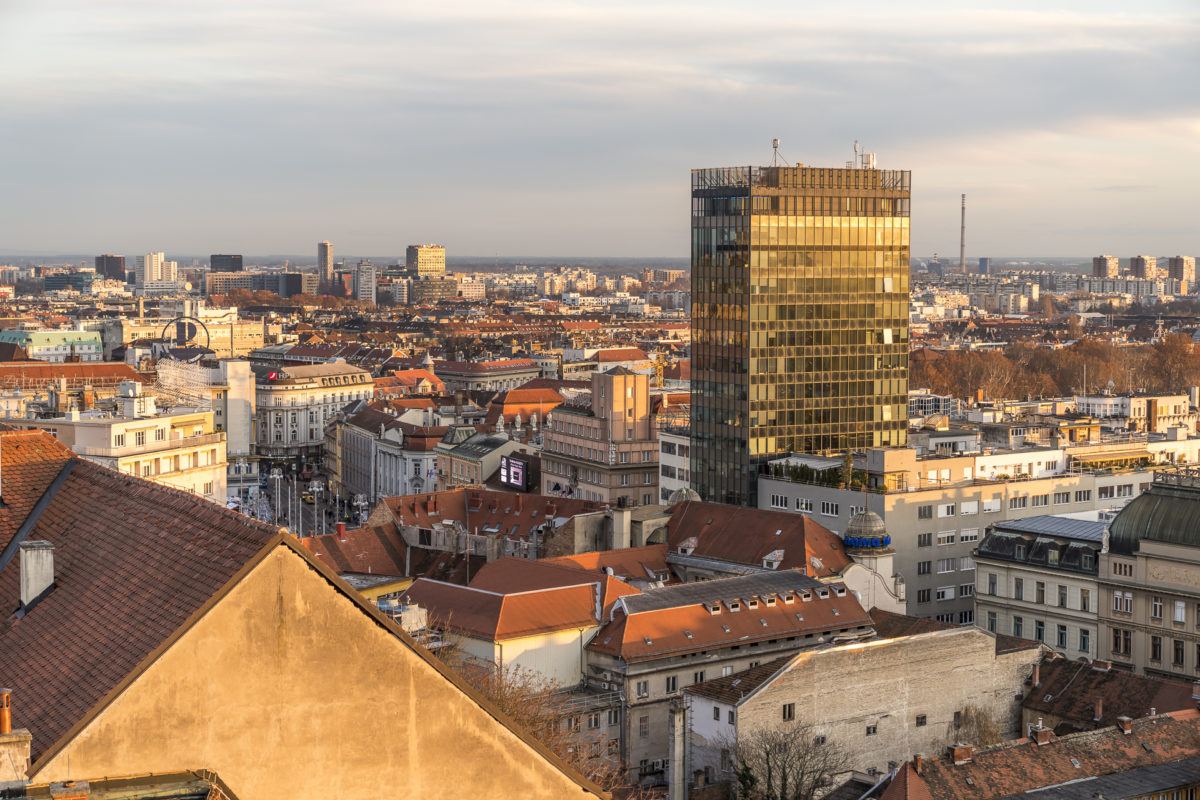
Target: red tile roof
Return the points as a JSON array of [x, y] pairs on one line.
[[24, 374], [497, 616], [29, 462], [133, 560], [511, 574], [639, 563], [504, 513], [1069, 690], [748, 535], [621, 354], [377, 550]]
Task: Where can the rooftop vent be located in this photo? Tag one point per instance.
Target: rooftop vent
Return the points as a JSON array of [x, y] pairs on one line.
[[688, 634], [763, 621]]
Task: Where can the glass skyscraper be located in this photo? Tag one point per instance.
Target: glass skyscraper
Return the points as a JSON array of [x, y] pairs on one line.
[[799, 317]]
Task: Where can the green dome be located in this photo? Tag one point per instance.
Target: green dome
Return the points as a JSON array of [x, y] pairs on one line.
[[1168, 511]]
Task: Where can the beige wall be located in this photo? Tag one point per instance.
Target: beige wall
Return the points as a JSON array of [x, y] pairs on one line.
[[287, 688]]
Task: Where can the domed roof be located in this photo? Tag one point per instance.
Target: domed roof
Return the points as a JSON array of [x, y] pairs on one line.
[[682, 495], [1168, 511], [866, 524]]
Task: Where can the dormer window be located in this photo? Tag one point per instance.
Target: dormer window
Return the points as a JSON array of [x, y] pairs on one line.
[[734, 605], [770, 601], [752, 603], [823, 593], [840, 591], [715, 608], [789, 598], [806, 596]]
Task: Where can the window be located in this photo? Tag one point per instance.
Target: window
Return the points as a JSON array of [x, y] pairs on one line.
[[1177, 652], [924, 512], [777, 500], [991, 506], [1083, 496], [139, 438], [1040, 500], [594, 721], [1040, 593], [946, 510], [1039, 630], [946, 537], [726, 671], [573, 722], [1122, 641], [717, 713], [1087, 561], [804, 504], [208, 488], [119, 440], [698, 676], [614, 716], [1019, 552], [1085, 641], [991, 622], [923, 595], [947, 565], [872, 730], [732, 716], [1061, 498], [966, 590], [968, 508], [966, 617], [159, 434], [643, 726], [924, 539], [1017, 502], [818, 741], [991, 583], [924, 567], [672, 684], [1061, 638], [1085, 599], [969, 535], [1018, 589], [1156, 607], [1018, 627], [643, 688], [1106, 492], [1180, 612], [789, 712], [829, 509], [945, 593], [1156, 648], [966, 563], [1062, 596]]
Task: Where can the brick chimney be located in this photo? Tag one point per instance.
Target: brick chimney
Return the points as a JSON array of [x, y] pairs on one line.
[[1043, 736], [341, 531], [14, 747], [1036, 678], [37, 570], [918, 762], [962, 753], [1125, 724], [1101, 666], [1099, 709], [5, 711]]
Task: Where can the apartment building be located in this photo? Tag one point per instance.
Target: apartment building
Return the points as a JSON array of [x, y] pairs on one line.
[[293, 404], [56, 346], [1036, 578], [607, 452], [937, 508], [674, 460], [180, 447], [1149, 580]]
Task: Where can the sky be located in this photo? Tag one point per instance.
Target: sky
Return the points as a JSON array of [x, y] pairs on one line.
[[569, 128]]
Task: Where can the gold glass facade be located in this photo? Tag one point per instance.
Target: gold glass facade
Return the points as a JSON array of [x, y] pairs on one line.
[[799, 317]]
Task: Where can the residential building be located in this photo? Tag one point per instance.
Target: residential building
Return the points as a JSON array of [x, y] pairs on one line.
[[364, 282], [325, 261], [224, 332], [1035, 578], [56, 346], [140, 606], [1143, 266], [1179, 268], [111, 266], [431, 289], [879, 701], [425, 259], [472, 461], [1149, 580], [1106, 267], [179, 447], [493, 376], [1143, 413], [223, 262], [799, 317], [607, 451], [293, 405], [674, 461], [658, 643]]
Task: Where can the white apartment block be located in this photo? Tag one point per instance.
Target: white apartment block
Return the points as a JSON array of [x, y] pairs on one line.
[[293, 404]]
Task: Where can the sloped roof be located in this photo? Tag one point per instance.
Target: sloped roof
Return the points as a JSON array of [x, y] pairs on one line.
[[133, 560], [500, 616], [504, 513], [1165, 512], [29, 462], [31, 373], [511, 574], [890, 625], [732, 688], [748, 535], [640, 563], [377, 550], [1073, 689]]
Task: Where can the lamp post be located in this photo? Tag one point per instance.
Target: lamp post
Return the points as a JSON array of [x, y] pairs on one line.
[[317, 489], [277, 476], [361, 504]]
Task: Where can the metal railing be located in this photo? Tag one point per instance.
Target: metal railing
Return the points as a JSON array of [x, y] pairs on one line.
[[170, 443]]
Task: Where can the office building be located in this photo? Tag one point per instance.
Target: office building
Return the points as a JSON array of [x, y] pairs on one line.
[[149, 268], [1106, 267], [111, 266], [364, 282], [985, 266], [225, 263], [1182, 268], [325, 261], [425, 259], [799, 317], [1143, 267]]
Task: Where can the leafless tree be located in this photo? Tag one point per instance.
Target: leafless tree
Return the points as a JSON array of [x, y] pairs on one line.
[[790, 762], [976, 726]]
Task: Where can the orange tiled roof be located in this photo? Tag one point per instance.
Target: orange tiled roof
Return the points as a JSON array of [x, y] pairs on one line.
[[511, 574], [643, 563], [497, 616]]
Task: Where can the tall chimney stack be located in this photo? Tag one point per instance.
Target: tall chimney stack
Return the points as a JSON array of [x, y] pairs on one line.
[[5, 711], [962, 239]]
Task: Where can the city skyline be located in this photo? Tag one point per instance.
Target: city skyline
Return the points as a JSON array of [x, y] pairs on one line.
[[1064, 127]]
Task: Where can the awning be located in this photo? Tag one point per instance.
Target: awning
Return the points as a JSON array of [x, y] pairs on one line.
[[1100, 459]]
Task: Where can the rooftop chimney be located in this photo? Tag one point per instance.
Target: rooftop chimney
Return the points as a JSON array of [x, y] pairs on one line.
[[341, 531], [5, 711], [1099, 709], [918, 763], [1125, 724], [1196, 690], [1036, 678], [37, 570], [962, 753]]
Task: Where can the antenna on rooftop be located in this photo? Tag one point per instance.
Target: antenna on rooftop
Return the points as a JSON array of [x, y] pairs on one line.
[[776, 158]]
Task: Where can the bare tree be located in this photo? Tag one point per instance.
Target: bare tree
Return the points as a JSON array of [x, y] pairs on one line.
[[790, 762], [977, 726]]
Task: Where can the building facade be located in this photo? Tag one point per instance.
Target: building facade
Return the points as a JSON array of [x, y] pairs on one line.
[[225, 262], [293, 404], [1106, 267], [608, 452], [364, 282], [56, 346], [799, 317], [111, 266], [325, 261], [1182, 268], [425, 259]]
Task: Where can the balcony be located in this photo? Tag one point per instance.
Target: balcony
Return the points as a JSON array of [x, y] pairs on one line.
[[173, 443]]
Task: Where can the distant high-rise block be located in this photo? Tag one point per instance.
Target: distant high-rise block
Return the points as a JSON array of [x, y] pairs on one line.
[[111, 266], [425, 259], [1182, 268], [985, 266], [225, 263], [149, 268], [325, 261], [364, 281], [1143, 267], [799, 317], [1106, 267]]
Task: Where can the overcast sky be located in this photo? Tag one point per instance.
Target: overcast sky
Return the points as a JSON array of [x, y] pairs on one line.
[[565, 128]]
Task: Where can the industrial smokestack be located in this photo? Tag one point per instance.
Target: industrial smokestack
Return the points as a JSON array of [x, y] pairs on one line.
[[962, 239]]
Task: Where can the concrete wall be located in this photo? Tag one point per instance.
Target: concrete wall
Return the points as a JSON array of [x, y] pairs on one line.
[[286, 688]]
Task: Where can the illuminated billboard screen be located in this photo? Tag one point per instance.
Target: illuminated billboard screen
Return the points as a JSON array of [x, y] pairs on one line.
[[514, 473]]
